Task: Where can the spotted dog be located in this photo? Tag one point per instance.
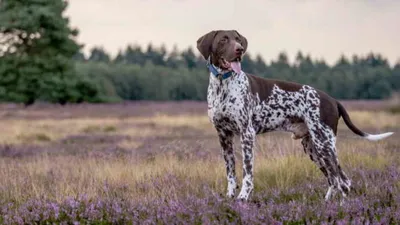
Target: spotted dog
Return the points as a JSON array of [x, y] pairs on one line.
[[246, 105]]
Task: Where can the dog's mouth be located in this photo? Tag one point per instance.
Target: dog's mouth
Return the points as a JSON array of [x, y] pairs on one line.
[[233, 65]]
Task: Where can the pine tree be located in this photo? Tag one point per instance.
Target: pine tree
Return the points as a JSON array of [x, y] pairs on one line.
[[37, 50], [189, 57], [97, 54]]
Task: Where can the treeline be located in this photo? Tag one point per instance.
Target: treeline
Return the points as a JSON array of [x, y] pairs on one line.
[[40, 60], [153, 73]]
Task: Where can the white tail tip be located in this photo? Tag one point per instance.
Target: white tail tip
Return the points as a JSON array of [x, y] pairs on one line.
[[376, 137]]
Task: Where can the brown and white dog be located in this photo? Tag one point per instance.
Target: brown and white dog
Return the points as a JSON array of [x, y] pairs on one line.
[[246, 105]]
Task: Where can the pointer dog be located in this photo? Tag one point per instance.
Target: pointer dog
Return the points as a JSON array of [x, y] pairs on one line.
[[246, 105]]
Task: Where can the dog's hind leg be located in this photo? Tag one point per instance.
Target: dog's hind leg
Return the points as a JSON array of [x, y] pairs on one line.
[[321, 144], [337, 178], [323, 141], [314, 155], [226, 142]]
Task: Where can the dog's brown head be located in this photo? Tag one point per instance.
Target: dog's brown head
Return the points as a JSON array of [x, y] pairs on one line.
[[224, 47]]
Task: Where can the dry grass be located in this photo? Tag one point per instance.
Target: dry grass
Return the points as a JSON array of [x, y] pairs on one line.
[[16, 131], [37, 131], [58, 177], [377, 120], [280, 161]]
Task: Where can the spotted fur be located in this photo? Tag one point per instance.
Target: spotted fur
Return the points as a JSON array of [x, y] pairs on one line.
[[246, 105], [235, 110]]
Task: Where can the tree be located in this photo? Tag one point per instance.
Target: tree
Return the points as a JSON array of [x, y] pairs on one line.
[[375, 60], [135, 55], [79, 57], [97, 54], [282, 62], [150, 53], [173, 58], [283, 58], [395, 79], [159, 58], [260, 64], [248, 63], [304, 64], [120, 58], [189, 57], [343, 61], [37, 55], [299, 58]]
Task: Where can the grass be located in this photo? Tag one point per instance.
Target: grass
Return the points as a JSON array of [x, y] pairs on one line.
[[146, 159], [58, 177], [16, 131]]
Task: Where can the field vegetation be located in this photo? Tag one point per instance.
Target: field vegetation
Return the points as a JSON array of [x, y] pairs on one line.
[[160, 163]]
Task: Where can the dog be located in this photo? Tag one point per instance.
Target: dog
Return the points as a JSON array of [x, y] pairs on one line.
[[247, 105]]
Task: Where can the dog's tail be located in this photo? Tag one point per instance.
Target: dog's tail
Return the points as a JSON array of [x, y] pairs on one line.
[[347, 121]]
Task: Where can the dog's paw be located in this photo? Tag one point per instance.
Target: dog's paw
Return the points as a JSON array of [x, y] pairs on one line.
[[230, 195], [242, 197]]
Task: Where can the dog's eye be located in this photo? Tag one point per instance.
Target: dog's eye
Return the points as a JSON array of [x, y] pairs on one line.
[[224, 39]]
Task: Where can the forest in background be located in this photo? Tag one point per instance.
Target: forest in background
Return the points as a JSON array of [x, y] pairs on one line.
[[40, 60], [152, 73]]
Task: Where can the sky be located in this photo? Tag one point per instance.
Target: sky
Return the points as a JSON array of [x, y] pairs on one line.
[[325, 29]]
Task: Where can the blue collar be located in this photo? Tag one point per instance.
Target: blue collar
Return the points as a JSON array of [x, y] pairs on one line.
[[217, 74]]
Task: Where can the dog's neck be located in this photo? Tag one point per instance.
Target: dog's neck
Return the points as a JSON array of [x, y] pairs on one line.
[[218, 80], [219, 87], [218, 72]]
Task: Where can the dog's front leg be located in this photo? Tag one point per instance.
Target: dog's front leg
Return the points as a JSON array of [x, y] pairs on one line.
[[226, 142], [247, 141]]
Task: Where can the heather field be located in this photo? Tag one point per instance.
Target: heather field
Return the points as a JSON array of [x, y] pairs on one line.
[[160, 163]]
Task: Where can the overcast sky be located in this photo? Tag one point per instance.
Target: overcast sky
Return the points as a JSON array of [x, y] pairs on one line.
[[323, 28]]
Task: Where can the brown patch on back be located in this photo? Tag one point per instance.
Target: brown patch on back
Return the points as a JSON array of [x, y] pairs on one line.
[[329, 111], [264, 86], [328, 106]]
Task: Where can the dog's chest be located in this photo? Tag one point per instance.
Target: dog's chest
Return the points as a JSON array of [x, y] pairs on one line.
[[227, 100]]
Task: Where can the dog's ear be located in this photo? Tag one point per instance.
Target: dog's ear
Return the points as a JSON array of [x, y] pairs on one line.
[[204, 43], [243, 40]]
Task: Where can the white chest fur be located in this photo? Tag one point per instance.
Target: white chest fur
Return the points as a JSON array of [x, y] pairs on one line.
[[227, 98]]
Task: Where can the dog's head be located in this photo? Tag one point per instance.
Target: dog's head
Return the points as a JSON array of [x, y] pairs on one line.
[[224, 47]]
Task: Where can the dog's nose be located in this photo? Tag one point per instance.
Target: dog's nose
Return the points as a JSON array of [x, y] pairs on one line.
[[239, 49]]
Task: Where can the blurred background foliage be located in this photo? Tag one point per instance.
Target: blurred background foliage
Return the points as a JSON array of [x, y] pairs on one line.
[[40, 60]]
